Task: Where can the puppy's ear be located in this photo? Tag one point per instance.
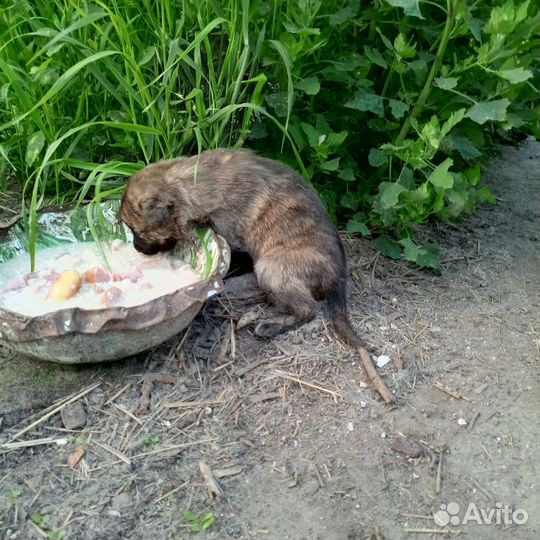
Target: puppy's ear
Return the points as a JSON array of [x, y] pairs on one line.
[[157, 210]]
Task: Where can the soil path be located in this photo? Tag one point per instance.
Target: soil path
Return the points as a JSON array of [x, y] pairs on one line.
[[300, 446]]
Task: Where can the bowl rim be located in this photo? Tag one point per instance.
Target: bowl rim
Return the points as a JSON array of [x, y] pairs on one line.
[[19, 327]]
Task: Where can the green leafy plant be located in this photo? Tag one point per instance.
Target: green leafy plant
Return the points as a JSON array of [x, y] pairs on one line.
[[199, 523], [387, 107], [91, 91], [420, 90], [12, 496], [38, 518], [150, 441]]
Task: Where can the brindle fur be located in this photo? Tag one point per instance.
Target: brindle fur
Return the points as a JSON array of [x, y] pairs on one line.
[[261, 207]]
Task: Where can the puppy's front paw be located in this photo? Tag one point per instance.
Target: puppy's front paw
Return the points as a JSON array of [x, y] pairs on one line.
[[268, 329]]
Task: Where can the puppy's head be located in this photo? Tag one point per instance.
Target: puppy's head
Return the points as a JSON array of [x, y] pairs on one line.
[[148, 209]]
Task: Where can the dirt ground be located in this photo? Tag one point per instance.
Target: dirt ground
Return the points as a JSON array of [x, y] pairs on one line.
[[292, 441]]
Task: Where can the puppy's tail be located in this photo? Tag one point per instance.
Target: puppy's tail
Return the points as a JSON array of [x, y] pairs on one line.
[[336, 311]]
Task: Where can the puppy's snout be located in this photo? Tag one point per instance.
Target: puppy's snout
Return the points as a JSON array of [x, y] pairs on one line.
[[148, 248], [142, 247]]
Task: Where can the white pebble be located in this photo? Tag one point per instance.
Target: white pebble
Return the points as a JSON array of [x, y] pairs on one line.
[[382, 360]]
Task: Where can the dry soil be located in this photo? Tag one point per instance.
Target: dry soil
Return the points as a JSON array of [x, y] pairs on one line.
[[297, 443]]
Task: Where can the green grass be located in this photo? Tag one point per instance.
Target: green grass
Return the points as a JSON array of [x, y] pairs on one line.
[[367, 101], [97, 89], [120, 82]]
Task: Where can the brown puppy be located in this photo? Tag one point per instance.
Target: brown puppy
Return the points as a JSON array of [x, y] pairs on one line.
[[261, 207]]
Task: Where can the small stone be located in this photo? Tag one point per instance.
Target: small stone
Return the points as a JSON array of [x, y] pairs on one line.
[[407, 447], [350, 426], [462, 421], [382, 360], [363, 384], [383, 435], [73, 416]]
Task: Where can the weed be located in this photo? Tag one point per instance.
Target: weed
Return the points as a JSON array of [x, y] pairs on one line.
[[12, 496], [151, 441], [38, 518], [387, 109], [199, 523]]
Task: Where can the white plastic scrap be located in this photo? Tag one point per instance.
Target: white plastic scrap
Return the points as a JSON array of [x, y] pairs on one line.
[[382, 360]]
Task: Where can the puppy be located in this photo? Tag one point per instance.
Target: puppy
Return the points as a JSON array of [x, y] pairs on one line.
[[261, 207]]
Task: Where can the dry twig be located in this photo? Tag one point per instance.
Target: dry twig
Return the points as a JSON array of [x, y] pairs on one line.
[[374, 377], [440, 386], [292, 378], [213, 488], [57, 409]]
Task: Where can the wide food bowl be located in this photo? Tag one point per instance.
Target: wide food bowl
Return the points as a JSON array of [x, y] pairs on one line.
[[78, 336]]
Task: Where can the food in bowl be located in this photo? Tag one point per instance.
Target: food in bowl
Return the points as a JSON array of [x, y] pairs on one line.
[[90, 276]]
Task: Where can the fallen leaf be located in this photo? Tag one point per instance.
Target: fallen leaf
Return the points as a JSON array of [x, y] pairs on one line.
[[76, 456]]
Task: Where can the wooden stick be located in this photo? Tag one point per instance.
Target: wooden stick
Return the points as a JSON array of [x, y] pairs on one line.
[[172, 491], [114, 452], [127, 413], [439, 471], [417, 516], [169, 448], [233, 342], [246, 369], [211, 483], [117, 394], [146, 394], [192, 404], [440, 386], [290, 377], [55, 410], [34, 442], [221, 357], [374, 377]]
